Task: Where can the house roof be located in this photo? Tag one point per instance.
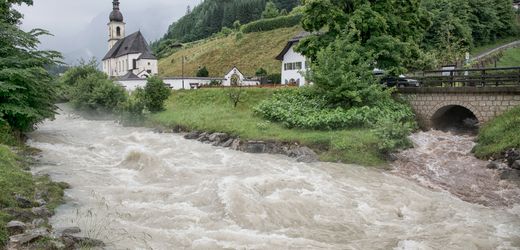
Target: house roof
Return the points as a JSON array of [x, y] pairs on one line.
[[129, 76], [290, 43], [132, 44]]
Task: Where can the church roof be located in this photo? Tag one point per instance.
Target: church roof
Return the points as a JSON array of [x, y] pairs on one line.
[[132, 44], [129, 76], [290, 43]]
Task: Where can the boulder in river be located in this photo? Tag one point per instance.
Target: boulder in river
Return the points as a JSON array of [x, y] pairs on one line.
[[192, 135], [218, 137], [228, 143], [41, 211], [303, 154], [496, 165], [71, 241], [512, 155]]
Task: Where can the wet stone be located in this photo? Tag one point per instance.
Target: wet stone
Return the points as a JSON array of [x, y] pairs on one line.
[[15, 227], [255, 147], [228, 143], [28, 237], [516, 165], [41, 211], [192, 135], [23, 202]]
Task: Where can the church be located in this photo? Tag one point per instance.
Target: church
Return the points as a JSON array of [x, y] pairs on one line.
[[128, 57]]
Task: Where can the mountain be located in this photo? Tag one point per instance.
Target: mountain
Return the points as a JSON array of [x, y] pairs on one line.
[[212, 15], [220, 54]]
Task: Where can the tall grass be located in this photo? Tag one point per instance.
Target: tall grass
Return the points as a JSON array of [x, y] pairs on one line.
[[211, 110], [499, 135]]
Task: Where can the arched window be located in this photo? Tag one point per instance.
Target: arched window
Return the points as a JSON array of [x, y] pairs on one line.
[[118, 31]]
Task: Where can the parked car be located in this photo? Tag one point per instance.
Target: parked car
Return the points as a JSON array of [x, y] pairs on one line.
[[400, 82]]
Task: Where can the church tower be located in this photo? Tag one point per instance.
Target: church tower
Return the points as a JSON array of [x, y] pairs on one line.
[[116, 26]]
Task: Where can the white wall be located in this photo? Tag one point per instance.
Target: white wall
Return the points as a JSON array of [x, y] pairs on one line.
[[133, 84], [120, 66], [291, 57]]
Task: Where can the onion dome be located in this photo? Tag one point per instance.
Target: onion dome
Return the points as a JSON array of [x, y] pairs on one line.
[[116, 15]]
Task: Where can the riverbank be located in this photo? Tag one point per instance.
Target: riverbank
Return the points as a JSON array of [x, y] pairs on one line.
[[210, 110], [28, 201]]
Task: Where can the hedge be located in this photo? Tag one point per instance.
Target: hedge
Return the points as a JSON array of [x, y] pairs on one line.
[[272, 23]]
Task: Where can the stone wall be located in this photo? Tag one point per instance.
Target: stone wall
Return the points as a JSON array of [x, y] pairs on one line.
[[485, 103]]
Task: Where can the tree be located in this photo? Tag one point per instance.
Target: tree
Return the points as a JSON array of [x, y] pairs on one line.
[[391, 32], [203, 72], [155, 93], [261, 72], [271, 11], [95, 92], [26, 89]]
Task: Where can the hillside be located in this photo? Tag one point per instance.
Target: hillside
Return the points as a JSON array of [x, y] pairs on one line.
[[219, 55]]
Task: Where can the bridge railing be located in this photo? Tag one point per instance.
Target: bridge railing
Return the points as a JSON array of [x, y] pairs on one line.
[[483, 77]]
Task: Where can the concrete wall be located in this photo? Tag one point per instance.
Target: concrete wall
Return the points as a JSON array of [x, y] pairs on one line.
[[485, 103]]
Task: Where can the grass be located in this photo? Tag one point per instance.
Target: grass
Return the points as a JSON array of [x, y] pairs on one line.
[[220, 54], [511, 58], [499, 135], [211, 110], [499, 42], [14, 179]]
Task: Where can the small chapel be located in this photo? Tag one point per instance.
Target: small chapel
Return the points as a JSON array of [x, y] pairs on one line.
[[128, 57]]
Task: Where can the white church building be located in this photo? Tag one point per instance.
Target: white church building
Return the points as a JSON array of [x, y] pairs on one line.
[[128, 57], [294, 64]]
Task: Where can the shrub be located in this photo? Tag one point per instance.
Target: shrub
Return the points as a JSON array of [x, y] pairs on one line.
[[155, 93], [132, 111], [274, 78], [272, 23], [393, 135], [261, 72], [203, 72], [96, 92], [300, 108]]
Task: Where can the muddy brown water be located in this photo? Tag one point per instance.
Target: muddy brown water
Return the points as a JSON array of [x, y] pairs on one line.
[[136, 189]]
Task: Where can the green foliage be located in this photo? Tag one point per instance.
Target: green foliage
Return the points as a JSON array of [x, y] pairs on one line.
[[215, 83], [67, 82], [261, 72], [239, 36], [155, 93], [132, 110], [96, 92], [272, 23], [211, 16], [237, 25], [499, 135], [209, 110], [393, 135], [271, 11], [275, 78], [26, 88], [300, 108], [203, 72]]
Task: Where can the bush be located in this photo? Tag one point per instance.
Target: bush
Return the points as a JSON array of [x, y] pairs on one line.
[[300, 108], [203, 72], [272, 23], [132, 111], [155, 93], [274, 78], [97, 93], [393, 135]]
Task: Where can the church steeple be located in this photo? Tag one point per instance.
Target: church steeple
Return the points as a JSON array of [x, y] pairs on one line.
[[116, 27]]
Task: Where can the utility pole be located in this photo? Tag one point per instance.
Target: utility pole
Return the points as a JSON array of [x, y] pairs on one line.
[[182, 72]]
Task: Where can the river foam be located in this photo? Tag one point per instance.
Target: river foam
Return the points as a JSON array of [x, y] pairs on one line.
[[136, 189]]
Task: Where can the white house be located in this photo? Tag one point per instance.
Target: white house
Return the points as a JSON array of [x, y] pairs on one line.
[[128, 57], [233, 78], [294, 64]]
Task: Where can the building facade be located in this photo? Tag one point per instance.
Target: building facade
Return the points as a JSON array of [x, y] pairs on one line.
[[294, 64], [128, 56]]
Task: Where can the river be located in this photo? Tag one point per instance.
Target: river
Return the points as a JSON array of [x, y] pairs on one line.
[[136, 189]]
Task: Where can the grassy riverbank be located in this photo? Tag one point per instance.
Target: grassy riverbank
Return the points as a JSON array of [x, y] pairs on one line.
[[499, 135], [15, 179], [211, 110]]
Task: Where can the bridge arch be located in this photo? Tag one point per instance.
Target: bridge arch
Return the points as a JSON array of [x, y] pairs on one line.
[[454, 114]]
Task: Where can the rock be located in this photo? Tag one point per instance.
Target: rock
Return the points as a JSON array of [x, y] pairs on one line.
[[516, 165], [218, 137], [158, 130], [15, 227], [496, 165], [83, 242], [228, 143], [236, 144], [203, 137], [255, 147], [37, 222], [28, 237], [41, 202], [20, 214], [511, 156], [68, 230], [23, 202], [192, 135], [303, 154], [510, 174], [41, 211]]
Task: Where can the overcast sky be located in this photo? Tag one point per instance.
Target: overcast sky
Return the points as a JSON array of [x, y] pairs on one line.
[[80, 26]]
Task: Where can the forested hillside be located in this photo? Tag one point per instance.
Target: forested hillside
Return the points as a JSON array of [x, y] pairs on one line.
[[211, 15]]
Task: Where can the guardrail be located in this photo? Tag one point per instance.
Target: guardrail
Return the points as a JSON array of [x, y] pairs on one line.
[[483, 77]]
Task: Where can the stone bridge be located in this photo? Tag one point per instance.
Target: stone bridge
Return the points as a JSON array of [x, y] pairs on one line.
[[437, 106]]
